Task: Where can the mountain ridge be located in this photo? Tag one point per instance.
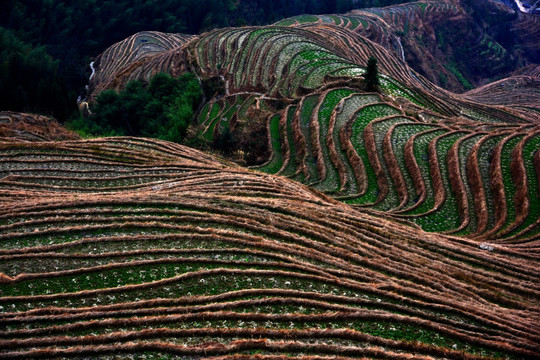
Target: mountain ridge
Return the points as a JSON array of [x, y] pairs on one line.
[[415, 150]]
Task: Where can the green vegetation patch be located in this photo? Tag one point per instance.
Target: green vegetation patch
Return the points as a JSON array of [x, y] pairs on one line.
[[509, 186], [452, 67], [162, 109], [306, 112], [307, 19], [286, 22], [447, 216], [421, 145], [529, 150], [276, 162], [366, 115], [331, 182], [401, 135], [292, 165]]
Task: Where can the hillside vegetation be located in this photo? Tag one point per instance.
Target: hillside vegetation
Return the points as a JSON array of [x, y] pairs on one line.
[[477, 42], [72, 33], [161, 109]]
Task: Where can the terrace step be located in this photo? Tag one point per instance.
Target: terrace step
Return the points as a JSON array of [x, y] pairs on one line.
[[220, 252]]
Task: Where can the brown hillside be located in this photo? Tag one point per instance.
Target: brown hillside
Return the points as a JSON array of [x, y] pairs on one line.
[[31, 127], [124, 247]]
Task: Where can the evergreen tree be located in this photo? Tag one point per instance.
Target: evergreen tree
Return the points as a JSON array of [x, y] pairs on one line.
[[372, 75]]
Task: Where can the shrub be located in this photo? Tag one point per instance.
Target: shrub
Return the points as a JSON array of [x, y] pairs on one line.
[[161, 109]]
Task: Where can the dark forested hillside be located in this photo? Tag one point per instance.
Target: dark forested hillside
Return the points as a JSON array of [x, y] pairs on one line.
[[30, 79]]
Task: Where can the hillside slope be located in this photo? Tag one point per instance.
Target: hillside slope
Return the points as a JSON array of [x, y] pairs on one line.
[[147, 249], [31, 127], [465, 164]]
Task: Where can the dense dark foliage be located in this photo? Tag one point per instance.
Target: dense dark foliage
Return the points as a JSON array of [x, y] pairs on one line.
[[161, 109], [29, 79], [73, 32], [372, 75]]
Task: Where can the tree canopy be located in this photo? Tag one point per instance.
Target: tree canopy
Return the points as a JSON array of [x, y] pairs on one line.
[[29, 79], [161, 109]]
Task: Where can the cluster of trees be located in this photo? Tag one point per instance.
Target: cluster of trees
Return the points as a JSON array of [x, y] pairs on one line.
[[161, 109], [30, 79]]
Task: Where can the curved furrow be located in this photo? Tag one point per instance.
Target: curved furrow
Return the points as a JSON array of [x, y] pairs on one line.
[[360, 121], [287, 144], [413, 168], [519, 177], [500, 197], [328, 100], [478, 187], [530, 226], [457, 184], [345, 109], [301, 139], [211, 349], [259, 47], [121, 55], [432, 160], [374, 135], [156, 322], [395, 172], [275, 161], [358, 167], [402, 150]]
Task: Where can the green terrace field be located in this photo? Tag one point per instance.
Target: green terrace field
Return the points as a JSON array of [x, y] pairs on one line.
[[138, 48], [325, 131], [137, 248], [367, 150]]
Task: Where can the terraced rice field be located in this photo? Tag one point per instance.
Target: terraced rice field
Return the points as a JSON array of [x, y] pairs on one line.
[[363, 150], [31, 127], [136, 248], [331, 139], [120, 59], [391, 225]]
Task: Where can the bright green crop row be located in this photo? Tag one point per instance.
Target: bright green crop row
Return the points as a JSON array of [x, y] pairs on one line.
[[277, 157]]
